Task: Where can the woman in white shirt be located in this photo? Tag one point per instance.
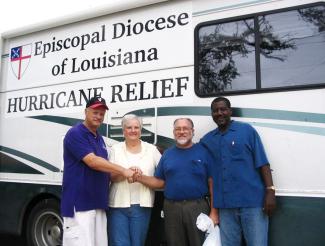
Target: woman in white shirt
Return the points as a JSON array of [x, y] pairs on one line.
[[130, 203]]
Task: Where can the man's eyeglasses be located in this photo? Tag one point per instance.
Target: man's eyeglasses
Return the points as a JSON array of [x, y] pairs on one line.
[[184, 129]]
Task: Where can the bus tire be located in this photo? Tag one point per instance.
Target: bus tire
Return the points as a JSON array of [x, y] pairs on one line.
[[44, 224]]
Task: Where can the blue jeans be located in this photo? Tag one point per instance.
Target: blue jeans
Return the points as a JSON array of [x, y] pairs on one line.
[[252, 223], [128, 226]]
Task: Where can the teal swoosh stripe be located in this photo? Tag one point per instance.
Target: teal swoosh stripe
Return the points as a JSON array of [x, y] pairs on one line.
[[190, 110], [258, 114], [11, 165], [294, 128], [68, 121], [29, 158], [279, 115], [144, 112], [229, 6], [203, 111], [104, 129], [247, 113], [57, 119]]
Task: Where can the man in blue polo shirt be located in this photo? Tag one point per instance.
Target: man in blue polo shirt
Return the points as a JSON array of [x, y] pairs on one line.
[[183, 172], [86, 180], [242, 182]]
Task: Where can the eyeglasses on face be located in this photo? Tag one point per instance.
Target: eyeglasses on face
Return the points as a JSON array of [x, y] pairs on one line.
[[184, 129]]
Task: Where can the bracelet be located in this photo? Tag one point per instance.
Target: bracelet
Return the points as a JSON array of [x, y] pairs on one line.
[[272, 187]]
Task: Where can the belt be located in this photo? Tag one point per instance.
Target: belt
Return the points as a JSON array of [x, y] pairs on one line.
[[186, 200]]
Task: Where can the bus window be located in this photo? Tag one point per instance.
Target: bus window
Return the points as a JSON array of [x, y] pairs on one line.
[[280, 50], [296, 53]]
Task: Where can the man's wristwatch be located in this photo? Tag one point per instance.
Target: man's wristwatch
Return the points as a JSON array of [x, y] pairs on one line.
[[272, 187]]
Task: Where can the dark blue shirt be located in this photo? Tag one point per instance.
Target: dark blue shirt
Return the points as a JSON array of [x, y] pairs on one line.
[[238, 154], [185, 172], [83, 188]]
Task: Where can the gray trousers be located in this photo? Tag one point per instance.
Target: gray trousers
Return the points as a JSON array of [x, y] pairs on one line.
[[180, 222]]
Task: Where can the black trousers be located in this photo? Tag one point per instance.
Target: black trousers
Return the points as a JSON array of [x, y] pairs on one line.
[[180, 222]]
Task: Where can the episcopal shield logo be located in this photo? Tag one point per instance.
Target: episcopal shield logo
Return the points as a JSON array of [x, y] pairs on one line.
[[20, 58]]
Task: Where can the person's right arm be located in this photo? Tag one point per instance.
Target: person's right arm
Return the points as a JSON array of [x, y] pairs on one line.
[[214, 213], [118, 178], [151, 181], [78, 145], [100, 164]]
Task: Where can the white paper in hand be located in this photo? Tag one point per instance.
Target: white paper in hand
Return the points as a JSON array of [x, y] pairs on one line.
[[205, 224]]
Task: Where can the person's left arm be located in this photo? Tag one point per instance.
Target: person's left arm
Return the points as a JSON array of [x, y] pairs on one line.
[[262, 163], [269, 199]]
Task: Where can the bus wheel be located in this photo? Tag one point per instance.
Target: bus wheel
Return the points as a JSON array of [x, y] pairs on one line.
[[44, 225]]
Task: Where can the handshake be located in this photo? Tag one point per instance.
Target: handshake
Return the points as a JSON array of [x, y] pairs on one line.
[[137, 173]]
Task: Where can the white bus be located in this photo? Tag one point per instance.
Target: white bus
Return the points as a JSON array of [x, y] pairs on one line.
[[162, 60]]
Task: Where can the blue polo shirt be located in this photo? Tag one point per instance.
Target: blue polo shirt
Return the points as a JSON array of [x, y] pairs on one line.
[[185, 172], [238, 154], [83, 188]]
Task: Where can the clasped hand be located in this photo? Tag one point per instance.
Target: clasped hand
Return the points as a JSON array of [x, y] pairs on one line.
[[136, 175]]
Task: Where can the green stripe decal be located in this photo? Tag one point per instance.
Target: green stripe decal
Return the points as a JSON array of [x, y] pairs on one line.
[[167, 111], [205, 111], [67, 121], [296, 116], [29, 158], [279, 115], [57, 119], [104, 129], [293, 128], [247, 113], [258, 114], [229, 7], [144, 112], [11, 165]]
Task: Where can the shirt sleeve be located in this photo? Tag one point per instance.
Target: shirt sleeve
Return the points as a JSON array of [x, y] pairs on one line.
[[156, 156], [208, 158], [260, 158], [77, 144], [159, 172], [210, 161], [112, 155]]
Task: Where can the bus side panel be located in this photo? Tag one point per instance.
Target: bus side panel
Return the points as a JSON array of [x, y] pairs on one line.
[[298, 221], [15, 199]]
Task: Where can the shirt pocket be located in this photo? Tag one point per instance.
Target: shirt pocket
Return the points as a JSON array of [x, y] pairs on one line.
[[236, 148], [198, 167], [71, 231], [71, 236]]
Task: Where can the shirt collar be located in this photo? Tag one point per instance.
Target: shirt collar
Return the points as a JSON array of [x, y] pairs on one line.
[[231, 128], [85, 129], [143, 147]]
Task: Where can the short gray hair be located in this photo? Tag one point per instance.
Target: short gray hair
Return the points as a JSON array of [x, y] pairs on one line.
[[188, 119], [129, 117]]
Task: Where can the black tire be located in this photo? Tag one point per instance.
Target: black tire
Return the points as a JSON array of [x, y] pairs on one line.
[[44, 225]]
